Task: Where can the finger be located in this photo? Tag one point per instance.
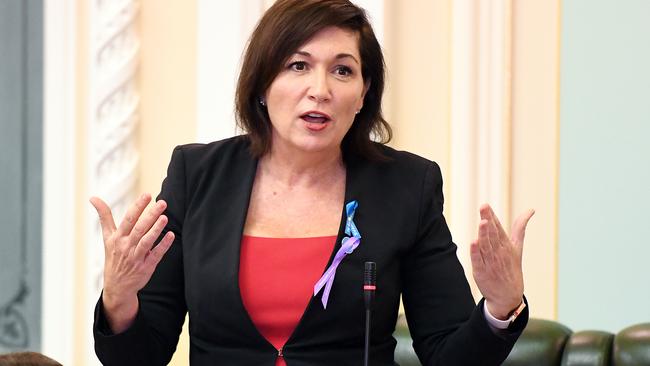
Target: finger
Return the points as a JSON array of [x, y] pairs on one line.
[[147, 241], [484, 245], [133, 213], [483, 210], [487, 214], [519, 227], [501, 232], [105, 216], [478, 264], [494, 236], [155, 255], [146, 221]]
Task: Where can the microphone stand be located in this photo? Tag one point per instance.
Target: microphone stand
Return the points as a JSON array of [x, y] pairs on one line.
[[369, 287], [366, 346]]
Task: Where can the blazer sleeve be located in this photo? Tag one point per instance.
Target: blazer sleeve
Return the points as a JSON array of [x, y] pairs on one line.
[[152, 338], [446, 326]]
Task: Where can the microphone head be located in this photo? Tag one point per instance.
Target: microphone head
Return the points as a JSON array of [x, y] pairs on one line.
[[370, 273]]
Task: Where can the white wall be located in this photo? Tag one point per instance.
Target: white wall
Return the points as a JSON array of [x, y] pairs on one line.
[[604, 236]]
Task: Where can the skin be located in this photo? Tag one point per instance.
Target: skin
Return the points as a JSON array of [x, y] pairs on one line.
[[129, 257], [496, 262], [323, 75]]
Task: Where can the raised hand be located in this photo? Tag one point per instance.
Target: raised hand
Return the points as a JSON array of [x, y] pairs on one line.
[[496, 262], [130, 257]]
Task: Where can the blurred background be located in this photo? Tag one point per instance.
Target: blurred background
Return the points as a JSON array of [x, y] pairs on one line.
[[523, 103]]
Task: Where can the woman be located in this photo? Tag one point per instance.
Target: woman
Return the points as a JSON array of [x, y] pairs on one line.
[[248, 225]]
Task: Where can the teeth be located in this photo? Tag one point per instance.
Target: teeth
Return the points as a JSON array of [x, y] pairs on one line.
[[316, 115]]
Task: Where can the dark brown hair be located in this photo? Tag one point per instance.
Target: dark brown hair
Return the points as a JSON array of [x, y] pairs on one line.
[[26, 359], [286, 26]]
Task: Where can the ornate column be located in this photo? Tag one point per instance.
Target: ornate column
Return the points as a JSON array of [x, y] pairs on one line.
[[480, 117], [59, 294], [112, 122]]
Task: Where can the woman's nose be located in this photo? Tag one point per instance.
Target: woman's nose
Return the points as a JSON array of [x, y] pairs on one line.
[[319, 90]]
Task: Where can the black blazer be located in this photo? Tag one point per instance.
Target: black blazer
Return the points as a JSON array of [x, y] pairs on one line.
[[208, 188]]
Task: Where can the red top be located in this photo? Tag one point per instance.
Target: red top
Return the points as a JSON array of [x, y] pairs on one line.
[[276, 280]]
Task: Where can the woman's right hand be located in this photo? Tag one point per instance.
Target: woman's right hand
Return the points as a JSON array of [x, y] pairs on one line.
[[130, 257]]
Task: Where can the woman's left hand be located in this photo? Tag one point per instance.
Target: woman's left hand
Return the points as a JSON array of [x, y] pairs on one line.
[[496, 262]]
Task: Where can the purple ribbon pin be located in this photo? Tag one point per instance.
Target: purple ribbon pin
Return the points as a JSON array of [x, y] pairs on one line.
[[348, 245]]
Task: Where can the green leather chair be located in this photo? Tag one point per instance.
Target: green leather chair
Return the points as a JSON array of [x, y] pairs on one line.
[[549, 343]]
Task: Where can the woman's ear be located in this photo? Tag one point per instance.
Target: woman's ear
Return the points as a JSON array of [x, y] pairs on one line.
[[366, 86]]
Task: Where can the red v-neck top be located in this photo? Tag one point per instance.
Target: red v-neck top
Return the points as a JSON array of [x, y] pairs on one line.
[[276, 280]]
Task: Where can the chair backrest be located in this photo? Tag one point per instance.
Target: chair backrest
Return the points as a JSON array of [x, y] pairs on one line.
[[549, 343], [541, 343]]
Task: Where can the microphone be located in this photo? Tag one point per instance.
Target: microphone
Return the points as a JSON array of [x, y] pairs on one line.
[[369, 283], [369, 287]]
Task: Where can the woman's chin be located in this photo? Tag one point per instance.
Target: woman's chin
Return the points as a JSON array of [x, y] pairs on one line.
[[306, 143], [316, 146]]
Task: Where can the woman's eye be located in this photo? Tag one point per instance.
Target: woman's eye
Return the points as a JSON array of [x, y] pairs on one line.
[[343, 71], [298, 66]]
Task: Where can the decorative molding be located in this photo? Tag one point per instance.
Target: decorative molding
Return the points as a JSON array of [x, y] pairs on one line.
[[218, 63], [14, 332], [59, 183], [480, 116], [113, 156], [462, 195], [493, 101], [215, 70]]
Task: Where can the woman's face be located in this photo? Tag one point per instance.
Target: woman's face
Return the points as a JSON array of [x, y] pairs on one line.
[[313, 100]]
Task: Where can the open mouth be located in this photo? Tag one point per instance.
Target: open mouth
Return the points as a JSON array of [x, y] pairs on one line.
[[313, 117]]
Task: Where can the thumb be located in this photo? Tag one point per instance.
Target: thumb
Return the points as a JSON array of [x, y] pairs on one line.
[[519, 227], [105, 216]]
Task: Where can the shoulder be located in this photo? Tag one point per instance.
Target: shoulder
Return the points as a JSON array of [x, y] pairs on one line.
[[406, 157], [401, 163], [403, 180], [232, 147], [197, 155], [203, 162]]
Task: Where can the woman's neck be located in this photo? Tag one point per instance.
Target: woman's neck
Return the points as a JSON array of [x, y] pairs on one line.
[[302, 169]]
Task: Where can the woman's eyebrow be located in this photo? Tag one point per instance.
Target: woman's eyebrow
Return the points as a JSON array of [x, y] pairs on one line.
[[338, 57]]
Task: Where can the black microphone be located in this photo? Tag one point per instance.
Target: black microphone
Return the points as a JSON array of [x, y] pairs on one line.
[[369, 283], [369, 287]]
